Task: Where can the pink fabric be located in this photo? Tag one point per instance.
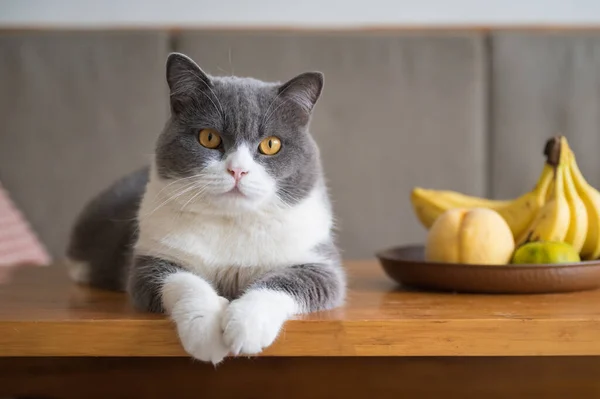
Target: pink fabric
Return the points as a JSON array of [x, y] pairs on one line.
[[18, 243]]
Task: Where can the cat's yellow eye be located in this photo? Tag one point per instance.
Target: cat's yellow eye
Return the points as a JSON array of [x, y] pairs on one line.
[[209, 138], [270, 146]]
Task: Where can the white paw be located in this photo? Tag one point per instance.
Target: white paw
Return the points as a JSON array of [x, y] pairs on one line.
[[252, 322], [199, 329], [197, 310]]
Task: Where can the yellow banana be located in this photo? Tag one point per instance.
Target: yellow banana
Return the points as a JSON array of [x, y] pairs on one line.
[[591, 199], [578, 228], [518, 213], [522, 211], [552, 221], [456, 198], [430, 204]]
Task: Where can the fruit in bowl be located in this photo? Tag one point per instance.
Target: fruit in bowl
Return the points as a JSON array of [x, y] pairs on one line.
[[562, 207], [472, 236], [545, 252]]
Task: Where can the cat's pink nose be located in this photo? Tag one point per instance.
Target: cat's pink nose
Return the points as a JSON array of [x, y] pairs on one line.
[[237, 173]]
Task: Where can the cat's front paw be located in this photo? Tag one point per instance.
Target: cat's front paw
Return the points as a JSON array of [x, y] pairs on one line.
[[252, 322], [197, 310], [199, 329]]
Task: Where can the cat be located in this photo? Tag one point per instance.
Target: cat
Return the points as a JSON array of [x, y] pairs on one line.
[[229, 230]]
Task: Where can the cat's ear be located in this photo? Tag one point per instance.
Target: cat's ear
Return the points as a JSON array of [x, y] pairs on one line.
[[185, 78], [305, 89]]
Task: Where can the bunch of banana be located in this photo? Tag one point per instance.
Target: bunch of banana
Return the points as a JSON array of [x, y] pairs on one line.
[[578, 225], [552, 220], [518, 213], [591, 199], [562, 206]]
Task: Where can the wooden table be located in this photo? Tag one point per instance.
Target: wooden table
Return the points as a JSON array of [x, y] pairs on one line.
[[58, 339]]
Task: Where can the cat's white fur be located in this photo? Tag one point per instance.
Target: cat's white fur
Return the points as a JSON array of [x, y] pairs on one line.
[[216, 231], [253, 322], [197, 311]]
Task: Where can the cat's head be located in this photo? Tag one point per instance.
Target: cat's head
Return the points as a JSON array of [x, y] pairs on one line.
[[238, 143]]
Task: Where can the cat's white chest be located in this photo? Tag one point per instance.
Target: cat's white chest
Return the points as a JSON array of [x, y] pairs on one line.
[[206, 244]]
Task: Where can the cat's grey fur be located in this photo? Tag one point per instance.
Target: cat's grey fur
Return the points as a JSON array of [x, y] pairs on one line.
[[104, 233], [243, 110]]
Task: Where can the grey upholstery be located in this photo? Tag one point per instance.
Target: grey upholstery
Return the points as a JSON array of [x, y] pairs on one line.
[[449, 110], [543, 84], [397, 111], [77, 110]]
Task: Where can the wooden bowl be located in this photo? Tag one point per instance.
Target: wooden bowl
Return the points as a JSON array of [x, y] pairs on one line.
[[406, 265]]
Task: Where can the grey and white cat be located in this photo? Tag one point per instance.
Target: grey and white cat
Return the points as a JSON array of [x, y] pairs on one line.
[[229, 230]]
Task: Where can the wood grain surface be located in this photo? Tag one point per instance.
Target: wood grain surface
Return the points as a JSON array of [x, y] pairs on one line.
[[43, 314]]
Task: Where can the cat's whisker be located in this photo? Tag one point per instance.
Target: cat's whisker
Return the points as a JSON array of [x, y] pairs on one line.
[[190, 200], [184, 190], [177, 181], [201, 191]]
